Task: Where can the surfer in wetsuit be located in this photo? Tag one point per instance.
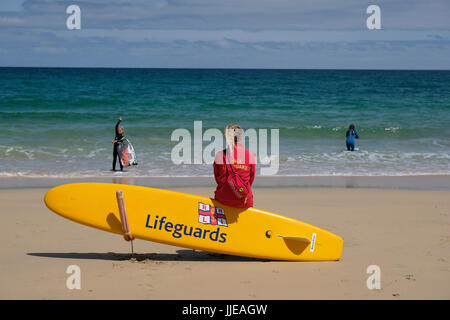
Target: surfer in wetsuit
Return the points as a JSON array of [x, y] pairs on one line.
[[119, 137], [350, 137]]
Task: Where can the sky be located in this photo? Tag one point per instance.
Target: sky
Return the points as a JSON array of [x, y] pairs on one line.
[[286, 34]]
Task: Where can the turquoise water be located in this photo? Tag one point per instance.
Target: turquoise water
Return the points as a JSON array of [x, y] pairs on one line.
[[60, 122]]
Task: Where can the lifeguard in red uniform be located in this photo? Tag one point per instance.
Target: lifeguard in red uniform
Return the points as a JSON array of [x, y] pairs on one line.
[[235, 159]]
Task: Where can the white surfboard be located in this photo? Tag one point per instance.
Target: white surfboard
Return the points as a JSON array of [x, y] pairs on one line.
[[127, 155]]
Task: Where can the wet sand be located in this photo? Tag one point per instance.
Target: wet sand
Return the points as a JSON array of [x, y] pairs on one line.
[[405, 232]]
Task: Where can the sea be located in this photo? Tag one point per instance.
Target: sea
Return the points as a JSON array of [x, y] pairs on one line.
[[59, 122]]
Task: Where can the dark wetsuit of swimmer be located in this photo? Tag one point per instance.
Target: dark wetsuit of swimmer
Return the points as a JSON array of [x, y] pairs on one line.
[[350, 139], [118, 137]]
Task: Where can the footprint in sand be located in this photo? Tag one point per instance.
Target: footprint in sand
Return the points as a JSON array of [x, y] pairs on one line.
[[409, 277]]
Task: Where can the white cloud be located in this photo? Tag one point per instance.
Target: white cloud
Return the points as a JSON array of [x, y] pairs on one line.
[[276, 36], [49, 50], [11, 21]]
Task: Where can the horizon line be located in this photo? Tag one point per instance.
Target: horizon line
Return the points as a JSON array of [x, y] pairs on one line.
[[219, 68]]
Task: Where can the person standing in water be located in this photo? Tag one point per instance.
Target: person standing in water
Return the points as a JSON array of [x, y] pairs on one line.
[[234, 171], [350, 137], [119, 137]]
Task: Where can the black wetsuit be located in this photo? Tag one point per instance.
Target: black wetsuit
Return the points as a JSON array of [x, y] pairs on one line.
[[118, 137]]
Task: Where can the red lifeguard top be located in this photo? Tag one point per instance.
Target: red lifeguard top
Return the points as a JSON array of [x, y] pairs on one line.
[[243, 164]]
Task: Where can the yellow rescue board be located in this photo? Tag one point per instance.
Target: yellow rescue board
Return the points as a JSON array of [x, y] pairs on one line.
[[195, 222]]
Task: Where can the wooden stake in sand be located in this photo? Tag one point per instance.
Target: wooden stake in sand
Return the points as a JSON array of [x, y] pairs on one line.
[[124, 219]]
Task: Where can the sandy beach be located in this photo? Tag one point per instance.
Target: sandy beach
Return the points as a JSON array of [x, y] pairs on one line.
[[405, 232]]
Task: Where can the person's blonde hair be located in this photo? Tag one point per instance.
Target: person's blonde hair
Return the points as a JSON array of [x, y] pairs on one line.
[[233, 134]]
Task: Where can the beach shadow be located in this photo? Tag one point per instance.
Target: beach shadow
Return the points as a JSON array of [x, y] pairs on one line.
[[296, 247], [233, 216], [113, 222], [181, 255]]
